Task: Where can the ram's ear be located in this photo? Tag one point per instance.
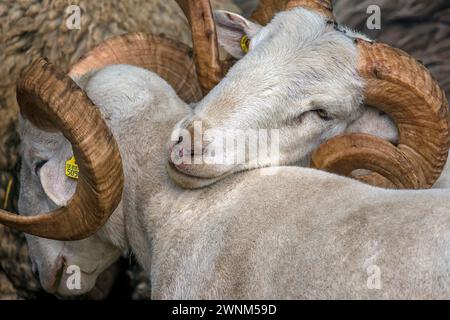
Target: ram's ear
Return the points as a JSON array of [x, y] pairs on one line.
[[230, 29], [57, 186]]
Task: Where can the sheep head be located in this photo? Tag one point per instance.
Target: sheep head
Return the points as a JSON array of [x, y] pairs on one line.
[[384, 77]]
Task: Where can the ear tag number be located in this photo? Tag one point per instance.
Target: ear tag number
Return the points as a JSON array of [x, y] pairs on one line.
[[245, 43], [72, 170]]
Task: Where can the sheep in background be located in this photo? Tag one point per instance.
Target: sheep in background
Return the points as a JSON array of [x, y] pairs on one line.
[[31, 29]]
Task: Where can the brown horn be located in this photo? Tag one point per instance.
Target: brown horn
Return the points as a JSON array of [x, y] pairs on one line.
[[403, 88], [210, 69], [267, 9], [52, 101], [399, 86], [171, 60]]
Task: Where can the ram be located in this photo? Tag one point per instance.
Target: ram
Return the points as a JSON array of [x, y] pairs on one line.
[[314, 92], [296, 234], [306, 76]]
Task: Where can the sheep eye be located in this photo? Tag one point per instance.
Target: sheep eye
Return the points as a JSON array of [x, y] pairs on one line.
[[323, 114], [38, 166]]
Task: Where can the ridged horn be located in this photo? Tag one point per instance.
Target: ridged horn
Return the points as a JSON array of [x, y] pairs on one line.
[[171, 60], [210, 69], [395, 83], [53, 102], [404, 89]]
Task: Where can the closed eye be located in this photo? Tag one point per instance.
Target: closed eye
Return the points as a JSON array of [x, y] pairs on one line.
[[322, 114]]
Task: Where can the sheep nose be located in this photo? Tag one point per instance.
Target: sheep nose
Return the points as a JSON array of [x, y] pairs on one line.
[[176, 143], [189, 141], [189, 131]]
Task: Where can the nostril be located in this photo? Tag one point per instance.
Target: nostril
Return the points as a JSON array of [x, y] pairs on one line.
[[180, 139]]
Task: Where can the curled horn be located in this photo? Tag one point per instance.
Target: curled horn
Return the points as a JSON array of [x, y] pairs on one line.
[[170, 59], [404, 89], [53, 102], [400, 86], [395, 83]]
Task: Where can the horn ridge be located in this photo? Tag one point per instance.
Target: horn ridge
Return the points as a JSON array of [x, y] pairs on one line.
[[400, 86], [52, 101]]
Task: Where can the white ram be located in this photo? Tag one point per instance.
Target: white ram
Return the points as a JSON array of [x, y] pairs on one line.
[[307, 77]]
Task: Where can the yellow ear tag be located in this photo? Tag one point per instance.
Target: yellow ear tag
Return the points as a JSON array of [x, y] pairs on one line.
[[72, 170], [245, 43]]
